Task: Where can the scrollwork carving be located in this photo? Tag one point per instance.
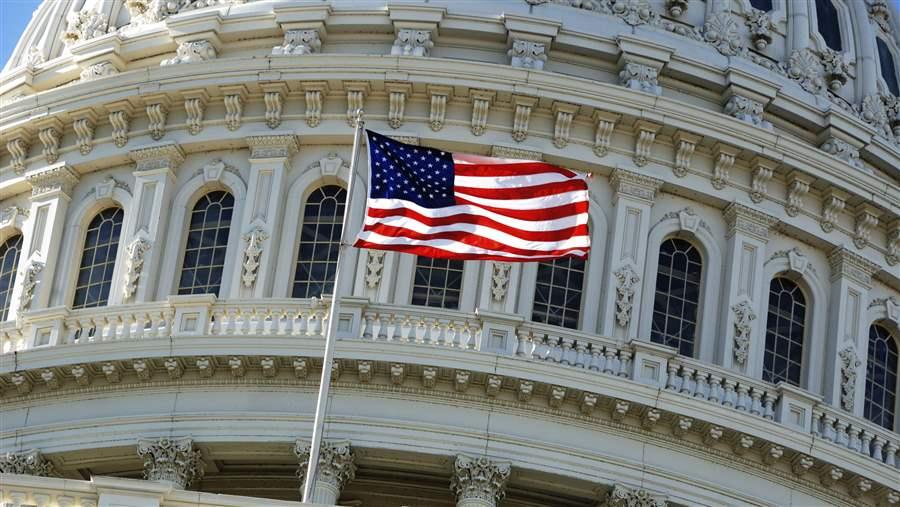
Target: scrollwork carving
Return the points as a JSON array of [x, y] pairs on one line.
[[743, 327], [479, 479], [250, 265], [626, 281], [849, 364]]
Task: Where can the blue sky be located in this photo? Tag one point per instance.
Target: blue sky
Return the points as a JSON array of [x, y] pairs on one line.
[[14, 16]]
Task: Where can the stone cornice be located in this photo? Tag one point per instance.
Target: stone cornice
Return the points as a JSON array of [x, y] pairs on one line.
[[58, 177], [276, 145], [162, 156], [847, 264], [635, 185], [744, 219]]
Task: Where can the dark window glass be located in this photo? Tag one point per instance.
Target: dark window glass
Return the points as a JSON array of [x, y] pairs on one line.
[[320, 237], [888, 71], [763, 5], [98, 259], [437, 282], [829, 27], [557, 293], [677, 297], [207, 240], [9, 263], [881, 378], [784, 332]]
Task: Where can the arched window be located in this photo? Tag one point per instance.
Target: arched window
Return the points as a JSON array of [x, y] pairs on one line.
[[98, 259], [763, 5], [9, 262], [207, 240], [677, 295], [886, 62], [785, 329], [320, 238], [557, 292], [828, 23], [881, 378], [437, 282]]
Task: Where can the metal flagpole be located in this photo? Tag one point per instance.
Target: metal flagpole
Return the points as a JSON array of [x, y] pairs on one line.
[[325, 383]]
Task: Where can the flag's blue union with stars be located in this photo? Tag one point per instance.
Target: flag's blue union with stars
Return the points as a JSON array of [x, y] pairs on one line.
[[413, 173]]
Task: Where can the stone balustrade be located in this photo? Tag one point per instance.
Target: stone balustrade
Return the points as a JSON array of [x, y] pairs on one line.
[[638, 361]]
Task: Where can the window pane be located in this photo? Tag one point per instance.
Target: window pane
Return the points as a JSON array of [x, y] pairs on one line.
[[677, 295], [888, 70], [829, 27], [98, 259], [204, 255], [763, 5], [9, 261], [785, 330], [320, 237], [881, 378], [557, 292], [437, 283]]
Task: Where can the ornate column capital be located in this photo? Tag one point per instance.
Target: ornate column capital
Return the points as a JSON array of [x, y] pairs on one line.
[[173, 461], [847, 264], [479, 481], [335, 468], [744, 219], [52, 179], [623, 496], [161, 156], [272, 146], [30, 462], [635, 185]]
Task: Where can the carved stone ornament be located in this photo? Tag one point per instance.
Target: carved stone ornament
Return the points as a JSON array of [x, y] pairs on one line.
[[623, 496], [759, 23], [98, 70], [723, 31], [411, 42], [335, 467], [893, 244], [34, 57], [626, 281], [500, 280], [299, 42], [636, 76], [837, 72], [58, 178], [250, 265], [84, 25], [880, 13], [843, 151], [527, 54], [849, 364], [632, 12], [10, 214], [805, 67], [874, 111], [676, 7], [479, 479], [30, 462], [171, 460], [134, 265], [192, 52], [743, 327], [151, 11], [746, 110], [374, 268]]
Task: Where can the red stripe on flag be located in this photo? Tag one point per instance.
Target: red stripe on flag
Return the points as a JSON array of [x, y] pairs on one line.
[[439, 253], [533, 214], [542, 190], [520, 169]]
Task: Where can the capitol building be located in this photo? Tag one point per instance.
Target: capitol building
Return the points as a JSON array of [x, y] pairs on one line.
[[173, 175]]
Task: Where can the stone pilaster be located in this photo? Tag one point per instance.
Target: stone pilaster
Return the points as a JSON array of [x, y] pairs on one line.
[[743, 289], [30, 462], [261, 220], [623, 496], [146, 227], [335, 469], [633, 197], [171, 461], [51, 192], [479, 482], [848, 329]]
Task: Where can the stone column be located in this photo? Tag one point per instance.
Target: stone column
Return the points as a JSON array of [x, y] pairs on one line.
[[743, 290], [171, 461], [798, 26], [848, 330], [30, 462], [479, 482], [335, 469], [866, 66], [51, 192], [146, 226], [633, 197], [260, 223], [623, 496]]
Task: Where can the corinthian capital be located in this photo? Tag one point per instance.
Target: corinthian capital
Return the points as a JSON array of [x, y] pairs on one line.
[[55, 178], [335, 468], [30, 462], [171, 460], [623, 496], [479, 481]]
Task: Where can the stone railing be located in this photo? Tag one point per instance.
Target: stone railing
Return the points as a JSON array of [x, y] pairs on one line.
[[508, 335]]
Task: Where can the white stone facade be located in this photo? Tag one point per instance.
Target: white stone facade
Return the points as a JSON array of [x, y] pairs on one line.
[[736, 131]]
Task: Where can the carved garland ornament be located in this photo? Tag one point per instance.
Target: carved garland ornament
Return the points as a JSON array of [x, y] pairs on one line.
[[500, 280], [743, 327], [626, 281], [29, 284], [374, 268], [250, 266], [849, 364]]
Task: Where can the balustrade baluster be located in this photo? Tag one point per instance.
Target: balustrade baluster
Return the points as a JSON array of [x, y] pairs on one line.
[[769, 405], [701, 386], [828, 428], [453, 331], [140, 323], [521, 343], [420, 330], [168, 319], [369, 326], [816, 427], [877, 447], [687, 385], [853, 440], [890, 454], [580, 353], [756, 401], [566, 350], [840, 433], [315, 323], [555, 349], [407, 330], [672, 379], [281, 322], [381, 323], [730, 397], [624, 363], [611, 363], [715, 388], [743, 397], [865, 442], [598, 360]]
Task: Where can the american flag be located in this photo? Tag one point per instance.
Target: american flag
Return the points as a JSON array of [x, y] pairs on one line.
[[435, 203]]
